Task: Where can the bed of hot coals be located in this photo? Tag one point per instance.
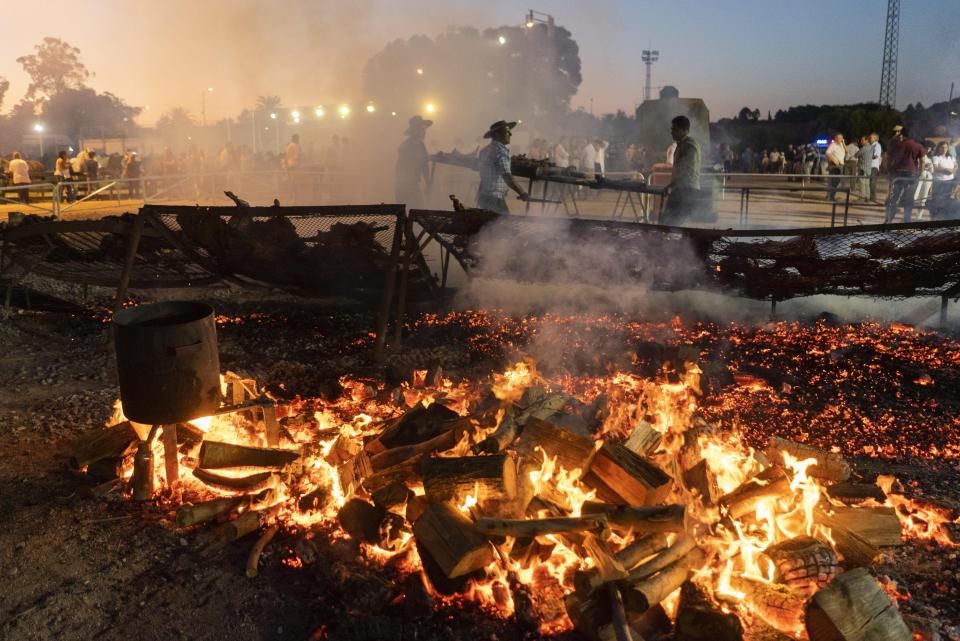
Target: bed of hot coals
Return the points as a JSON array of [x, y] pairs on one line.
[[614, 476]]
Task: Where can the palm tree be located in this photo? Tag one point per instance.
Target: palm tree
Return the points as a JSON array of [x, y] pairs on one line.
[[268, 103], [176, 118]]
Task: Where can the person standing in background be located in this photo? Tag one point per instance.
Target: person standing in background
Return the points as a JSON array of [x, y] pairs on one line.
[[944, 173], [411, 170], [561, 157], [836, 156], [903, 163], [683, 192], [20, 175], [496, 176]]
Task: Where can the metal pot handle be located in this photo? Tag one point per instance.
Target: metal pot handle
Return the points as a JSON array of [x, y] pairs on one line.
[[187, 349]]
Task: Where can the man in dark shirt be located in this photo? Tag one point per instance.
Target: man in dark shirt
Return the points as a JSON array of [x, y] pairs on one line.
[[683, 192], [904, 157]]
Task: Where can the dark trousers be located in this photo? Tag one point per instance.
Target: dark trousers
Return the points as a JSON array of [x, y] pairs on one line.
[[902, 188], [681, 205], [24, 193], [939, 197], [833, 183]]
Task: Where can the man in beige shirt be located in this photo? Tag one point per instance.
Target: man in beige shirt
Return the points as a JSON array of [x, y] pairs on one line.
[[836, 156], [20, 175]]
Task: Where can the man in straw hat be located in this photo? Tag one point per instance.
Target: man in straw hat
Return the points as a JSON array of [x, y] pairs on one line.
[[495, 176], [412, 164]]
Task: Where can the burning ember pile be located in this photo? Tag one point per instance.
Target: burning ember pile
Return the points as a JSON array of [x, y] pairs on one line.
[[619, 504]]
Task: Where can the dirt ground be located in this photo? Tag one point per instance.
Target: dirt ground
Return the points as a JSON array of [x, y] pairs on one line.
[[75, 565]]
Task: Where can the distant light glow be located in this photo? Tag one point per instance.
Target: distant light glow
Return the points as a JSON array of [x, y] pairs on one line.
[[419, 71], [295, 114], [529, 24], [393, 113], [429, 108], [371, 109], [319, 112], [38, 128], [273, 115], [502, 40], [344, 111], [209, 88]]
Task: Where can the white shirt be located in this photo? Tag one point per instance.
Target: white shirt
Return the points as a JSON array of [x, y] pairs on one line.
[[561, 156], [20, 170], [877, 156], [836, 153], [939, 162], [588, 157], [670, 151], [602, 155]]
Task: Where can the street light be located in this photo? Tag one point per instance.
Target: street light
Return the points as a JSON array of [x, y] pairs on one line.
[[203, 105], [318, 112], [38, 127], [344, 111], [371, 109], [502, 40], [429, 108], [295, 114], [273, 115], [419, 71]]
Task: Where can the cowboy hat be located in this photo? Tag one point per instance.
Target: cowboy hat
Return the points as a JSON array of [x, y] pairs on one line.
[[500, 124], [418, 123], [897, 128]]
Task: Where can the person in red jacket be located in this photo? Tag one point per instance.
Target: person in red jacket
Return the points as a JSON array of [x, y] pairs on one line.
[[904, 158]]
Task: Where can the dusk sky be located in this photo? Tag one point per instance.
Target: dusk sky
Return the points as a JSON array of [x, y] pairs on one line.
[[767, 54]]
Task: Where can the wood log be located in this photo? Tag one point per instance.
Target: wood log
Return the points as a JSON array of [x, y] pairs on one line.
[[416, 425], [416, 506], [451, 540], [803, 563], [189, 514], [171, 461], [629, 476], [745, 499], [855, 550], [854, 608], [854, 493], [249, 483], [271, 426], [353, 472], [572, 451], [105, 442], [621, 629], [142, 479], [253, 560], [484, 477], [830, 466], [646, 593], [778, 605], [681, 548], [643, 440], [393, 497], [243, 525], [699, 478], [878, 526], [397, 455], [526, 528], [657, 518], [217, 455], [640, 549], [105, 469], [699, 618], [407, 472], [506, 432]]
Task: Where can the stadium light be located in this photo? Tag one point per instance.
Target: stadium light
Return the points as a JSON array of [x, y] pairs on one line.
[[429, 107]]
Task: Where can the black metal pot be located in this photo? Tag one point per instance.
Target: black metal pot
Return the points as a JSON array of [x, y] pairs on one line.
[[167, 362]]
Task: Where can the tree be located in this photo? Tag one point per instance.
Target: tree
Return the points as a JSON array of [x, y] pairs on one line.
[[84, 113], [473, 78], [54, 67], [176, 126], [4, 86], [268, 103]]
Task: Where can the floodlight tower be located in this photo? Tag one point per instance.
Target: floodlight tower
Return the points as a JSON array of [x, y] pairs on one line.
[[891, 38], [649, 57]]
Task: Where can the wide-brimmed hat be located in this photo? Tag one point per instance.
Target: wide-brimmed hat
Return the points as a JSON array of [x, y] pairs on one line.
[[416, 123], [500, 124], [897, 128]]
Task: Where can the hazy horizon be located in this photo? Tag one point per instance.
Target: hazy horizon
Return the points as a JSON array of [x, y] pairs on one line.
[[747, 53]]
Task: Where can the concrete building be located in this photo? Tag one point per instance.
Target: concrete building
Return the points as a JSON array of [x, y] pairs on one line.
[[654, 116]]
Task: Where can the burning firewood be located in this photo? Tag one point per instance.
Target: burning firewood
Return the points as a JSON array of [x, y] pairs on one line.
[[370, 524], [680, 549], [393, 497], [527, 528], [700, 619], [628, 476], [646, 593], [854, 608], [829, 466], [451, 540], [659, 518], [804, 563], [189, 514], [572, 451], [215, 455], [879, 526], [745, 499], [643, 440], [397, 455], [702, 480], [854, 493], [249, 483], [483, 477], [102, 443], [780, 606]]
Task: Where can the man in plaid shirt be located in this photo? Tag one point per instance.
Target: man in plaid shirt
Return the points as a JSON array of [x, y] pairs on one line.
[[495, 176]]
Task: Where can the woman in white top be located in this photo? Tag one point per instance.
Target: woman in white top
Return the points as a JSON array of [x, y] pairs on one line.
[[63, 175], [944, 170]]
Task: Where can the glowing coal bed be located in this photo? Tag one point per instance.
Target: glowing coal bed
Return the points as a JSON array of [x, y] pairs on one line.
[[565, 475]]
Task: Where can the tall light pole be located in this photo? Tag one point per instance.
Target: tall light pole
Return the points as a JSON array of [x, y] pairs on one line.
[[649, 57], [203, 105], [39, 129]]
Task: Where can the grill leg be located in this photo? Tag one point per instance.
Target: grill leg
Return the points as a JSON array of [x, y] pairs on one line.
[[944, 301], [773, 308]]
